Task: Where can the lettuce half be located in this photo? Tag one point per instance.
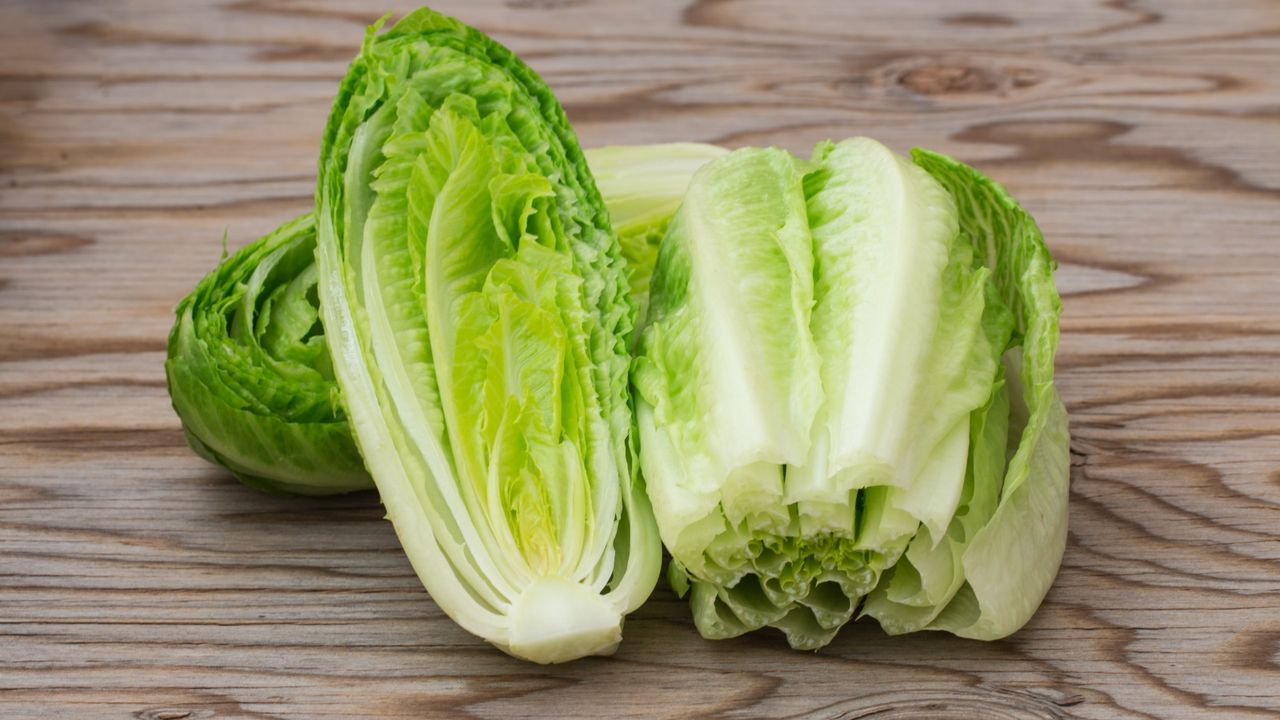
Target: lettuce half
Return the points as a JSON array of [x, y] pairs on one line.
[[845, 392], [475, 301]]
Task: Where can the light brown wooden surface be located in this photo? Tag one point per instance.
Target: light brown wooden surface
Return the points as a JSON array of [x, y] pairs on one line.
[[136, 581]]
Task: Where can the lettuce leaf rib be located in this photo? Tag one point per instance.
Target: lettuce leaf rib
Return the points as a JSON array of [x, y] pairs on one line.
[[844, 400]]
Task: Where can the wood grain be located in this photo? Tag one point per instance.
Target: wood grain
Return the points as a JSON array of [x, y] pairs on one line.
[[139, 582]]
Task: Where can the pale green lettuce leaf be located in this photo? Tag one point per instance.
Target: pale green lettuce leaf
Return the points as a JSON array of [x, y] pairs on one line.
[[897, 320], [728, 372], [1011, 561]]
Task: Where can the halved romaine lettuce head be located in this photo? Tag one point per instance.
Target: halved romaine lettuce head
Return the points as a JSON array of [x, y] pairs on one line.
[[248, 363], [249, 371], [826, 401], [475, 303]]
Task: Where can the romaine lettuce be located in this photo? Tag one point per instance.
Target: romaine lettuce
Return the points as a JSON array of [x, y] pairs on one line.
[[474, 298], [844, 387], [825, 397]]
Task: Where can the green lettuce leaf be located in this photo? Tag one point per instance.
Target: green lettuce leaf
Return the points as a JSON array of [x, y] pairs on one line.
[[1009, 544], [727, 374]]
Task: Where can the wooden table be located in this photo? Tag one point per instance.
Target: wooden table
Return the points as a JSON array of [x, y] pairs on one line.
[[140, 582]]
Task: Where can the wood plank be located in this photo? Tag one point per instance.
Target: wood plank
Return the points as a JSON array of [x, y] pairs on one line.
[[139, 582]]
